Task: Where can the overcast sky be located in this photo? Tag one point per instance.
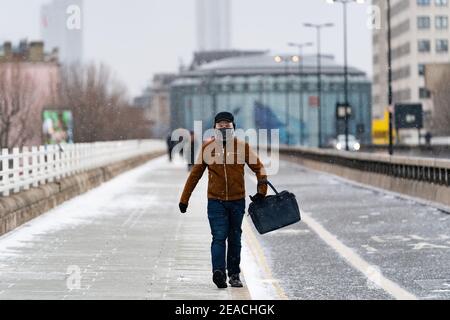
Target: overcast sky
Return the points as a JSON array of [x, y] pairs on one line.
[[138, 38]]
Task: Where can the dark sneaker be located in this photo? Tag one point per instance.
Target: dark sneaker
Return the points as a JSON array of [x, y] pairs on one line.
[[220, 279], [235, 281]]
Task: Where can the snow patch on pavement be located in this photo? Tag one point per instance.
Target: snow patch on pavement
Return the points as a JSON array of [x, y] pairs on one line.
[[82, 209]]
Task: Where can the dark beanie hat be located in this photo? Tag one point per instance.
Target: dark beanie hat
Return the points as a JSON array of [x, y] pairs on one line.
[[224, 116]]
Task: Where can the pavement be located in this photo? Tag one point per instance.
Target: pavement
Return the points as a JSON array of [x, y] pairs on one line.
[[123, 240], [126, 239]]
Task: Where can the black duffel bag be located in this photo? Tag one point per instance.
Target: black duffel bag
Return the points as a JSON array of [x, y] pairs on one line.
[[274, 211]]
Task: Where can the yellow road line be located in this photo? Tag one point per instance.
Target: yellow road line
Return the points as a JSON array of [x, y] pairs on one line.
[[258, 253]]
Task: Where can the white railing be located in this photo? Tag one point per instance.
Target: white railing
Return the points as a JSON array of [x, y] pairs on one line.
[[28, 167]]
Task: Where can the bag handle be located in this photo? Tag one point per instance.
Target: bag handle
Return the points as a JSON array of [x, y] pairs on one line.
[[265, 181]]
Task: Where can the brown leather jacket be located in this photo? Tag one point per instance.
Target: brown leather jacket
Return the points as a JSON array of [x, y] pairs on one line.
[[225, 173]]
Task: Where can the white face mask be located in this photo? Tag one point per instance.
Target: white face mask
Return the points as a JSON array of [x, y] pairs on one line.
[[224, 134]]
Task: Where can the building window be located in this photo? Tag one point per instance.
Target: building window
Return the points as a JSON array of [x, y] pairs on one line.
[[423, 22], [441, 3], [441, 22], [401, 51], [401, 73], [442, 45], [402, 95], [423, 3], [424, 93], [400, 29], [399, 7], [424, 46], [421, 69]]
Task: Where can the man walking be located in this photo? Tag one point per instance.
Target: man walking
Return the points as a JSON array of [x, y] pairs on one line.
[[225, 157]]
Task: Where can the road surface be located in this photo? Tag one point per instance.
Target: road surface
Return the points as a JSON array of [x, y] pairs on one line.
[[127, 240]]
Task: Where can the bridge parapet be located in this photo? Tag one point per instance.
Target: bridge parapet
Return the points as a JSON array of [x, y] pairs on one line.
[[414, 168], [426, 178]]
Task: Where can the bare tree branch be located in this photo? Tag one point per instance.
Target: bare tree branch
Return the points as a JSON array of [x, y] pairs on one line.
[[16, 99], [99, 105]]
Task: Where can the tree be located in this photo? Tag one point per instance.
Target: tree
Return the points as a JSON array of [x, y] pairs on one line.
[[17, 96], [100, 105]]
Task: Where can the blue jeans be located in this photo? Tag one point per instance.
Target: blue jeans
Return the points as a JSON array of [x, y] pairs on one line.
[[225, 220]]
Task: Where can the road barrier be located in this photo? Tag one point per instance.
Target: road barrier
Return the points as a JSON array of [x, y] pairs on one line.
[[427, 178], [432, 151]]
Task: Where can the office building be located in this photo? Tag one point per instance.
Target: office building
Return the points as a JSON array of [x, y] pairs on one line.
[[420, 36], [213, 25], [62, 28], [266, 94]]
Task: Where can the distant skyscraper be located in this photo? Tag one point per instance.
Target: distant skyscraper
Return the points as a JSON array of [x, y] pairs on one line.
[[213, 25], [61, 27]]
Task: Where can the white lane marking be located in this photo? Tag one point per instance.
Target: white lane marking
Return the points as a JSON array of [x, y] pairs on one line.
[[426, 245], [369, 249], [370, 271]]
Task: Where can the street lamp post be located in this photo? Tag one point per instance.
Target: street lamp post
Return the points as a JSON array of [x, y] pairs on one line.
[[390, 97], [318, 28], [286, 95], [300, 47], [260, 89], [346, 102], [211, 91]]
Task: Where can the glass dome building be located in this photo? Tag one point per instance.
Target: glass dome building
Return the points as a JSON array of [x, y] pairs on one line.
[[266, 91]]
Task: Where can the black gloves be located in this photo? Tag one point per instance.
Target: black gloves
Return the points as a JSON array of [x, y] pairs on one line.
[[183, 207], [257, 197]]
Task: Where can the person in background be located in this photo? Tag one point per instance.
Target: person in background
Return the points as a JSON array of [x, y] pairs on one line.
[[428, 139]]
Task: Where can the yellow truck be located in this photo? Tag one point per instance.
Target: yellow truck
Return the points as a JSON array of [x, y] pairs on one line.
[[380, 130]]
